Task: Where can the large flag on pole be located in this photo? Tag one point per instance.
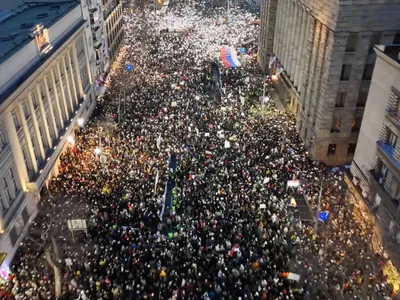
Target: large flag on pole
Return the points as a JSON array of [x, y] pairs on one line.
[[272, 59], [279, 68], [229, 57]]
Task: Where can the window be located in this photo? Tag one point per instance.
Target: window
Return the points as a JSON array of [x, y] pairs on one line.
[[49, 86], [351, 42], [35, 146], [6, 190], [336, 122], [34, 99], [26, 159], [3, 141], [362, 99], [13, 236], [346, 70], [42, 90], [42, 136], [13, 181], [17, 123], [25, 109], [25, 215], [4, 205], [351, 149], [393, 139], [384, 171], [51, 128], [356, 124], [331, 150], [368, 70], [375, 40], [396, 39], [340, 99]]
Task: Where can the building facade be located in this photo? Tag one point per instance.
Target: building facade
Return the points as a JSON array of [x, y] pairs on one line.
[[326, 50], [375, 171], [95, 33], [376, 165], [113, 27], [46, 92]]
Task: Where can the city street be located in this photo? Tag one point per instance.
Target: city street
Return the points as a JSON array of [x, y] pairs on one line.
[[183, 184]]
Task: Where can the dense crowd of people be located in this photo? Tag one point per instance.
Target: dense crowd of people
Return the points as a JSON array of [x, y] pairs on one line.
[[232, 230]]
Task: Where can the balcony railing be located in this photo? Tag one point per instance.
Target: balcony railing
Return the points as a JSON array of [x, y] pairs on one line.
[[394, 115], [388, 150]]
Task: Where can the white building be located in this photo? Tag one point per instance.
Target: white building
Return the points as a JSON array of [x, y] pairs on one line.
[[375, 169], [46, 91]]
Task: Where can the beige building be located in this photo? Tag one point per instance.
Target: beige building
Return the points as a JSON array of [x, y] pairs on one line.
[[113, 27], [326, 50], [46, 92], [375, 169]]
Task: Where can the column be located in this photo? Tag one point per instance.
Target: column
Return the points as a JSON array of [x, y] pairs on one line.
[[284, 28], [35, 122], [68, 95], [43, 113], [52, 122], [296, 41], [309, 48], [288, 34], [27, 136], [285, 31], [87, 66], [313, 67], [75, 98], [63, 100], [16, 149], [324, 33], [59, 113], [77, 70], [290, 49], [278, 27], [300, 49]]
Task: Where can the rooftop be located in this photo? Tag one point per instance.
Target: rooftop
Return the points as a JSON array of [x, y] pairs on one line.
[[391, 51], [17, 24]]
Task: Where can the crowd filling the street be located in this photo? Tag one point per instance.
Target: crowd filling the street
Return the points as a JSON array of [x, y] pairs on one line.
[[182, 178]]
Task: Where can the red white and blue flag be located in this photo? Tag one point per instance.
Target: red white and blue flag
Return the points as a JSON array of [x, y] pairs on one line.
[[229, 57]]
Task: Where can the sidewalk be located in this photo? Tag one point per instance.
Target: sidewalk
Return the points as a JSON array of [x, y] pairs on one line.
[[278, 103]]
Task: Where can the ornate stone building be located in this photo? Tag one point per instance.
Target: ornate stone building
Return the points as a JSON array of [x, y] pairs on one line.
[[326, 50]]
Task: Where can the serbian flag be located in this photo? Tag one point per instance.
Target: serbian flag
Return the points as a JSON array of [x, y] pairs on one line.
[[234, 249], [279, 69], [272, 59], [229, 57]]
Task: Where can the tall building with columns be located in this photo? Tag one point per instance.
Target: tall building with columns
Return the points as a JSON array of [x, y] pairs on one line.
[[46, 92], [326, 50]]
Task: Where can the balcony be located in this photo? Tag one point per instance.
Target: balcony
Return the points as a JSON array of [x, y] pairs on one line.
[[95, 27], [392, 205], [394, 116], [388, 152]]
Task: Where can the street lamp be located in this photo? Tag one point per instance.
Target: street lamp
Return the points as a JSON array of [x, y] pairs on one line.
[[97, 151], [80, 122], [71, 140]]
